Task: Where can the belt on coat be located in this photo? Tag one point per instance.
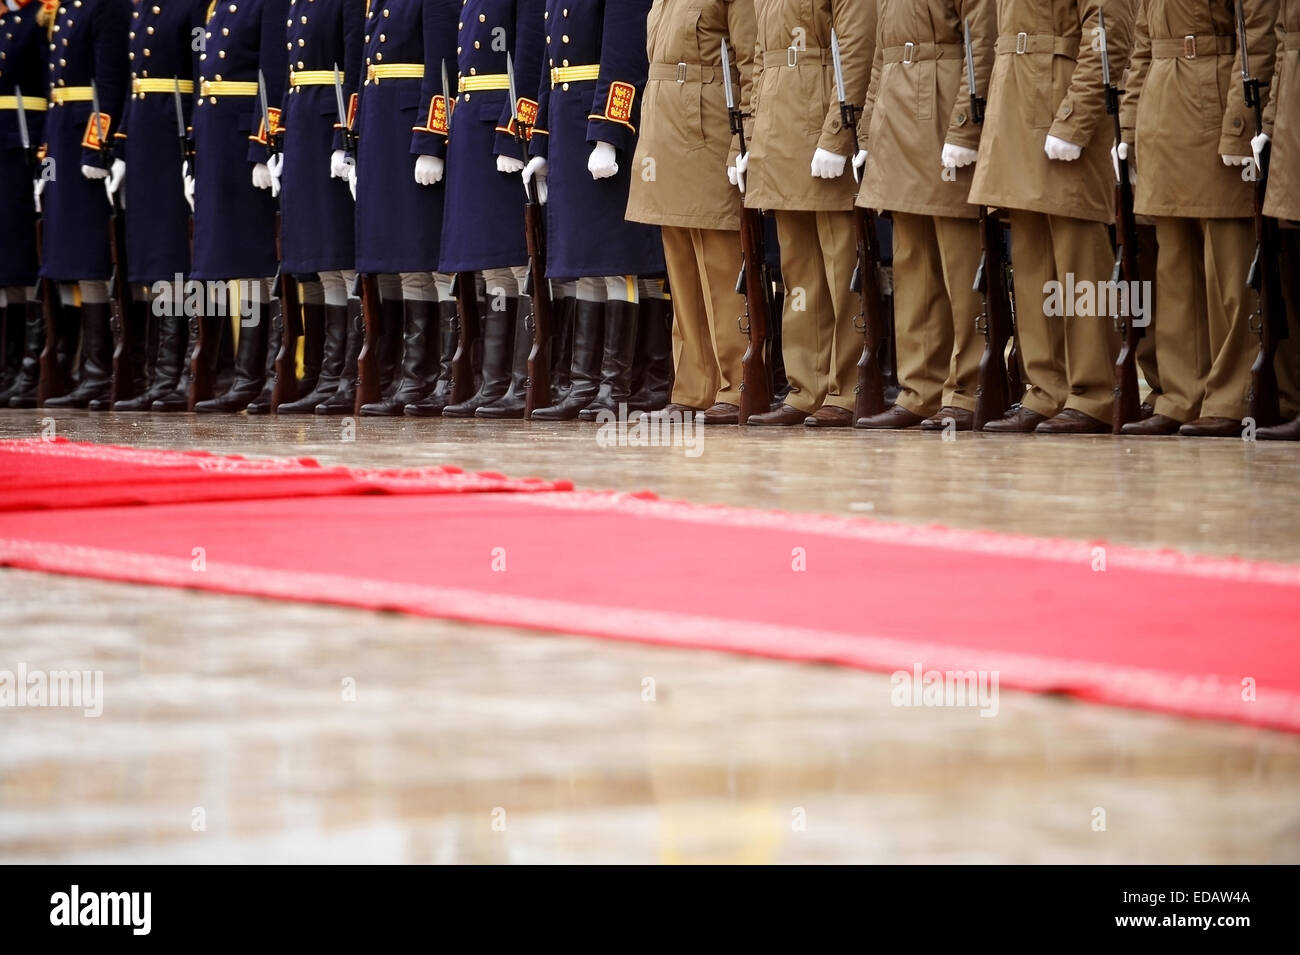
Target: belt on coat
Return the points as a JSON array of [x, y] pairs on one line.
[[394, 71], [29, 103], [793, 56], [71, 94], [142, 85], [574, 74], [912, 52], [227, 88], [1190, 47], [684, 72], [1022, 43], [483, 81], [312, 77]]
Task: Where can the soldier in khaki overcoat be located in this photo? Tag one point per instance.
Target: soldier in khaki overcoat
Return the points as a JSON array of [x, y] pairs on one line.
[[797, 167], [1282, 127], [679, 183], [1185, 111], [1045, 156], [921, 147]]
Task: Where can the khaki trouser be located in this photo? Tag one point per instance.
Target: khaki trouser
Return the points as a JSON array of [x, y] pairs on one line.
[[1148, 367], [1069, 360], [1288, 352], [820, 343], [1204, 345], [708, 345], [935, 307]]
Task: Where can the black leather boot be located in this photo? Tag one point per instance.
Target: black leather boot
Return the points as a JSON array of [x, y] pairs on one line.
[[173, 332], [11, 345], [22, 393], [130, 357], [654, 356], [392, 324], [498, 350], [262, 403], [96, 359], [334, 346], [343, 401], [177, 398], [418, 365], [616, 365], [562, 348], [511, 404], [313, 349], [584, 369], [250, 366], [439, 396]]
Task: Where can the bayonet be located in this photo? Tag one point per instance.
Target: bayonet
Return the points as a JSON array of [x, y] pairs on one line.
[[976, 101], [23, 135], [266, 114], [838, 66], [182, 134], [446, 96]]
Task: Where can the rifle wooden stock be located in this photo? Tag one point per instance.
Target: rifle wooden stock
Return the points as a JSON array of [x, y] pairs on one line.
[[869, 393], [53, 381], [119, 308], [756, 375], [286, 359], [368, 384], [462, 363], [1266, 279], [207, 339], [539, 357], [1128, 403], [995, 390]]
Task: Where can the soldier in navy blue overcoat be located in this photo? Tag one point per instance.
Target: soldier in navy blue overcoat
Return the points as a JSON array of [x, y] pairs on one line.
[[316, 207], [22, 68], [483, 227], [234, 208], [149, 155], [594, 72], [88, 55]]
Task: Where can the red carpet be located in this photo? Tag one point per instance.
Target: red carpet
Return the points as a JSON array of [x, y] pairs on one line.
[[1156, 630]]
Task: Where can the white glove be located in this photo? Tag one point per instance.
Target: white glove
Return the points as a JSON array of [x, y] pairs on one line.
[[535, 172], [957, 157], [737, 172], [262, 177], [602, 163], [1060, 150], [859, 164], [1257, 147], [116, 175], [276, 165], [352, 180], [94, 172], [1238, 160], [429, 170], [188, 184], [1122, 151], [509, 165], [338, 164], [37, 189], [828, 165]]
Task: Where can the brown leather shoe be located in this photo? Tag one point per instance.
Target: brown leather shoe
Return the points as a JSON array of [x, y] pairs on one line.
[[1145, 410], [684, 412], [1211, 428], [1281, 432], [1073, 421], [829, 416], [1019, 420], [1157, 424], [722, 413], [962, 419], [782, 417], [892, 418]]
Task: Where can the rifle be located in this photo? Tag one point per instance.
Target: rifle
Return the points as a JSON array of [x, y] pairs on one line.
[[753, 282], [1127, 405], [368, 384], [53, 381], [536, 286], [869, 393], [1269, 319], [995, 391], [464, 288], [286, 359], [119, 294]]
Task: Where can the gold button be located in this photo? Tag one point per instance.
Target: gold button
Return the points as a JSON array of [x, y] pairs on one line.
[[378, 56], [473, 71], [482, 18], [301, 41], [564, 86], [300, 64], [288, 46], [476, 44], [565, 38], [225, 31], [157, 9], [149, 30], [564, 63], [383, 38], [304, 20], [467, 97], [233, 8]]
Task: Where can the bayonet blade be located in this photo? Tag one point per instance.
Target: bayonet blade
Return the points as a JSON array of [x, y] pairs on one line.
[[23, 135], [1243, 41], [338, 98], [180, 109], [510, 83], [970, 58], [1103, 48], [266, 108], [726, 77], [839, 68], [446, 94]]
